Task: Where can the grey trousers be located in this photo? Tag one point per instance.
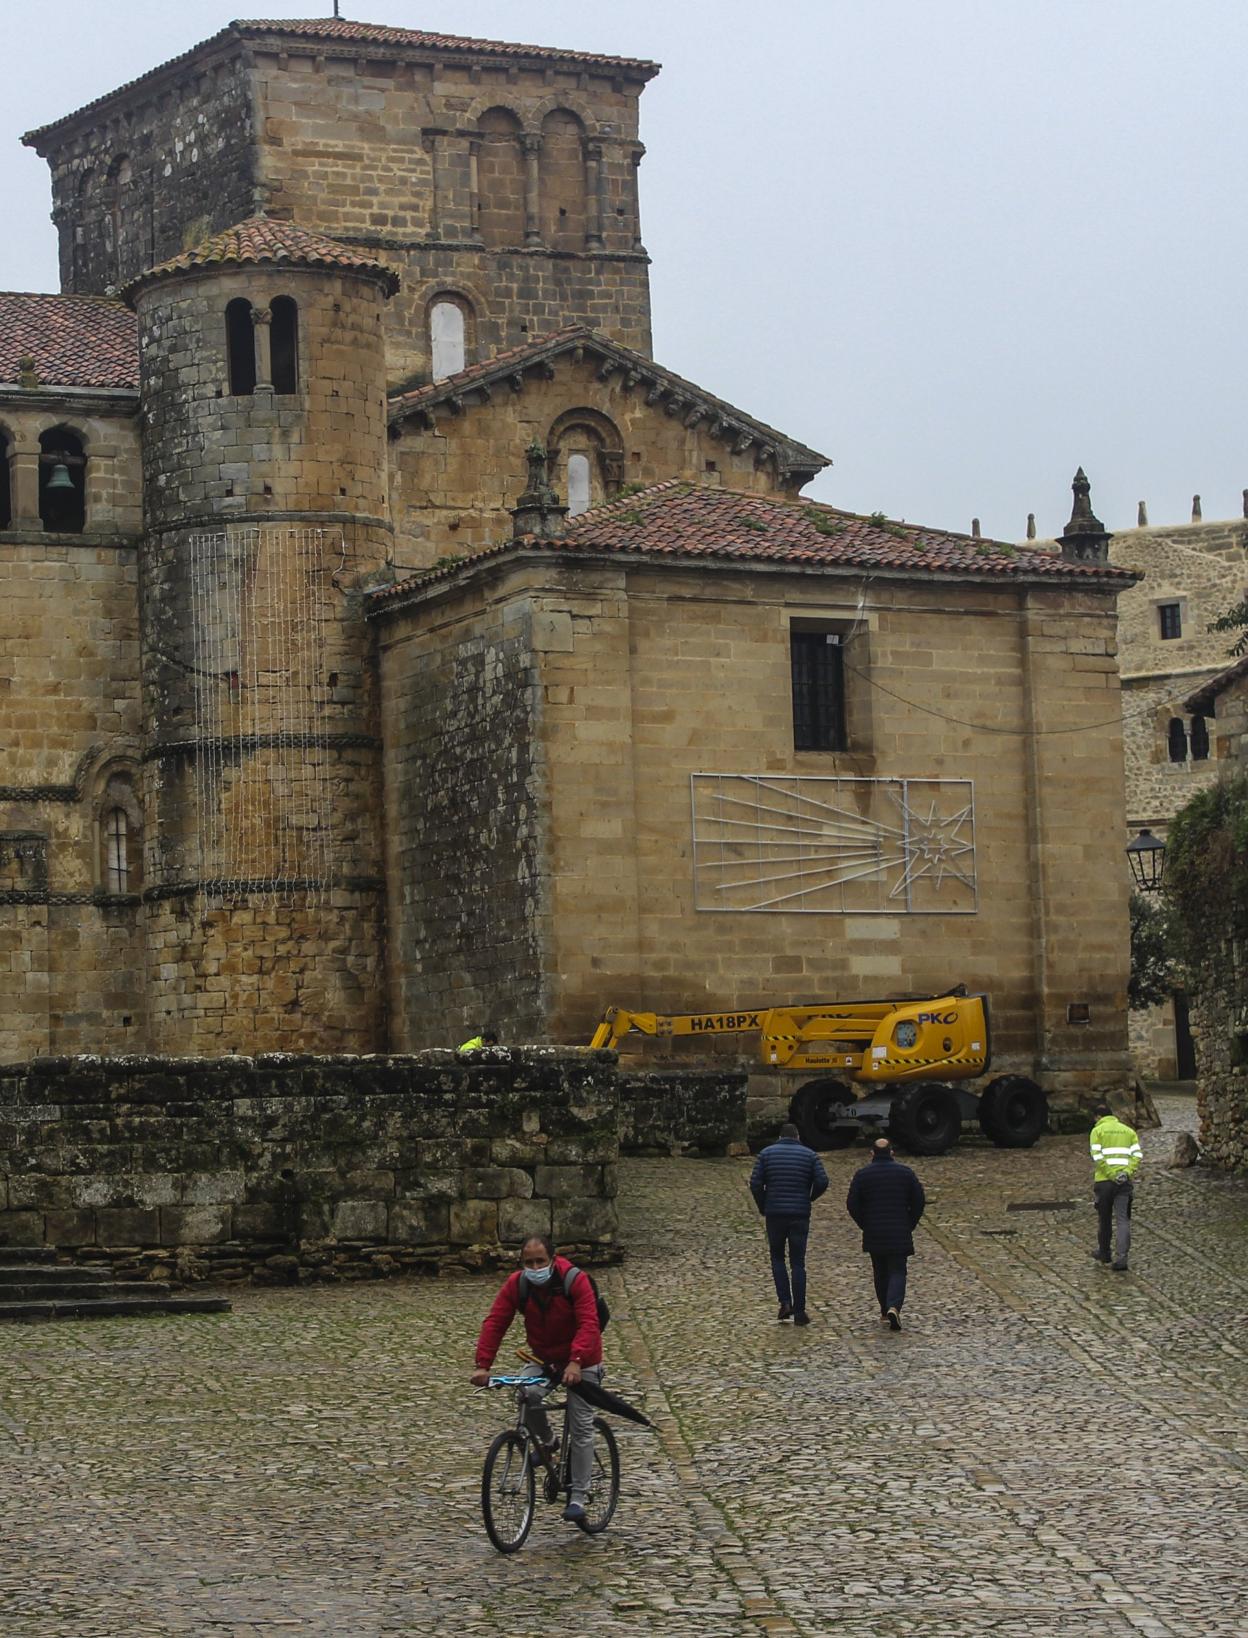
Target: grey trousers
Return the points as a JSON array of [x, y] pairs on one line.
[[580, 1428], [1113, 1212]]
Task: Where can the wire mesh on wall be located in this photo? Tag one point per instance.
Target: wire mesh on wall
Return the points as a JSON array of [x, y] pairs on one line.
[[259, 621], [848, 846]]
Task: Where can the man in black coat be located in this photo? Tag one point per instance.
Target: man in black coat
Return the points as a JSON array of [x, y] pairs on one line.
[[886, 1201], [787, 1178]]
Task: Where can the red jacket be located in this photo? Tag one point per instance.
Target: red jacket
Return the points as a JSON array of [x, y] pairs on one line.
[[558, 1330]]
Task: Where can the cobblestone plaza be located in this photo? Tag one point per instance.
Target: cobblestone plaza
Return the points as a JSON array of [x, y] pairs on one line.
[[1046, 1448]]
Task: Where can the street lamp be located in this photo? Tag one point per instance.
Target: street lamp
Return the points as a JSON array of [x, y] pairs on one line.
[[1148, 861]]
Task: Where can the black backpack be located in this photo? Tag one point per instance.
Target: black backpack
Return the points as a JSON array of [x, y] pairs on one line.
[[604, 1311]]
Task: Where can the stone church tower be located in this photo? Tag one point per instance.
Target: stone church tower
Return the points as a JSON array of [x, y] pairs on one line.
[[264, 491], [498, 179]]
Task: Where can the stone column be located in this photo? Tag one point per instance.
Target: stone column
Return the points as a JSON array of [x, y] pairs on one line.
[[595, 191], [24, 484], [532, 149], [261, 319], [433, 147], [474, 188], [638, 154]]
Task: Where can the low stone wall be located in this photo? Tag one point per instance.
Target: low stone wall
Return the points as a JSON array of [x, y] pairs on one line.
[[288, 1167], [684, 1112]]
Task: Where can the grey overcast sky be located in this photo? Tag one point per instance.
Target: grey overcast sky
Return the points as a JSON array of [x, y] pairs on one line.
[[960, 246]]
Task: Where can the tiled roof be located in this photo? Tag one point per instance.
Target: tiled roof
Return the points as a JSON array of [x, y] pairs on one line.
[[1202, 700], [75, 341], [678, 521], [331, 30], [264, 239], [677, 395]]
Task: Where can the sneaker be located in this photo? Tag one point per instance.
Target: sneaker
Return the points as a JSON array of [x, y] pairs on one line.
[[883, 1317], [786, 1311], [801, 1317], [1099, 1257], [574, 1513], [1119, 1267], [894, 1320]]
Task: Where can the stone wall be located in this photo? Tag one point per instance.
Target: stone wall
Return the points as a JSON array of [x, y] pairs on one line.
[[285, 1167], [1221, 1082], [69, 719], [1203, 567], [645, 676], [137, 181], [453, 484], [464, 800], [685, 1112]]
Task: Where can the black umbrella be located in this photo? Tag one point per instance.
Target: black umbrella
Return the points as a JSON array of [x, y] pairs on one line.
[[609, 1402]]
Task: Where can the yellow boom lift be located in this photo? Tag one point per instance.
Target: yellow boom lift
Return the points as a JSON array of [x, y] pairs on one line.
[[885, 1064]]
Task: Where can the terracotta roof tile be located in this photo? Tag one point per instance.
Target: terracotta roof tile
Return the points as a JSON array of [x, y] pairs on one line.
[[678, 521], [75, 341], [321, 28], [732, 422], [264, 239], [330, 30]]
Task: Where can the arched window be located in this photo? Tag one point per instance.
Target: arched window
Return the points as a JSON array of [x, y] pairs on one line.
[[62, 482], [446, 337], [1200, 739], [240, 347], [578, 484], [500, 180], [284, 337], [6, 490], [586, 458], [119, 830], [1176, 740], [562, 170]]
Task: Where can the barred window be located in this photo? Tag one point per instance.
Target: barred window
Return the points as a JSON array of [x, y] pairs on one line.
[[1170, 617], [818, 668]]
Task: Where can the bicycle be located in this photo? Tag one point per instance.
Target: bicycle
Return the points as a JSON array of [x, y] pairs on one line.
[[509, 1480]]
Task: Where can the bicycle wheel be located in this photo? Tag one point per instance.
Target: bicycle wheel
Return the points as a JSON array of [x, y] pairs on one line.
[[604, 1480], [507, 1492]]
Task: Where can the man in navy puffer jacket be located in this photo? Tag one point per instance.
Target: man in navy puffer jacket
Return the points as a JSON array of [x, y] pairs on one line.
[[886, 1201], [787, 1178]]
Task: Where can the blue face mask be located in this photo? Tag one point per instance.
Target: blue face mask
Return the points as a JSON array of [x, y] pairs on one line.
[[539, 1276]]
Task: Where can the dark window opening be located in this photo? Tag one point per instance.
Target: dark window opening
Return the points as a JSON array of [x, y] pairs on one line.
[[284, 332], [1176, 740], [818, 691], [6, 492], [240, 347], [1200, 739], [1171, 620], [62, 482]]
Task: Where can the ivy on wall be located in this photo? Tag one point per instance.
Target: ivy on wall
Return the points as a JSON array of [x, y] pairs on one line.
[[1207, 890]]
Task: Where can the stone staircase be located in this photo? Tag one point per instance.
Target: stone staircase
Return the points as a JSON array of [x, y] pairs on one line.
[[34, 1286]]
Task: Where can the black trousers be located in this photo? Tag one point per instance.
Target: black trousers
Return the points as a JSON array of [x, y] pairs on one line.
[[889, 1269]]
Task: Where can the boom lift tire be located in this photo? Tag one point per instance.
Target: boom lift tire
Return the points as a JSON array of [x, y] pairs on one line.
[[926, 1119], [814, 1111], [1013, 1112]]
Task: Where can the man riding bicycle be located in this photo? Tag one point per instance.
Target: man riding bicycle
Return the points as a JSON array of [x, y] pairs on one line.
[[563, 1331]]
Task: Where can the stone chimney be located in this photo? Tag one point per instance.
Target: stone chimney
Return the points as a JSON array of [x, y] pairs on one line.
[[538, 511], [1085, 538]]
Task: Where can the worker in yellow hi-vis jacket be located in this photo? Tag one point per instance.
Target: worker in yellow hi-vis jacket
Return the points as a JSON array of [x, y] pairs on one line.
[[1116, 1157]]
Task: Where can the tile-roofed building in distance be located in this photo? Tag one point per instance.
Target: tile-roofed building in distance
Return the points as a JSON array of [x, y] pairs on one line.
[[390, 642]]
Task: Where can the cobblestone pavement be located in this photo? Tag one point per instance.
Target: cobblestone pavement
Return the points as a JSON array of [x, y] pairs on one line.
[[1046, 1448]]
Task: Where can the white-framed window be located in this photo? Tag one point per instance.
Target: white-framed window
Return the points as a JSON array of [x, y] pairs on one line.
[[446, 339]]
